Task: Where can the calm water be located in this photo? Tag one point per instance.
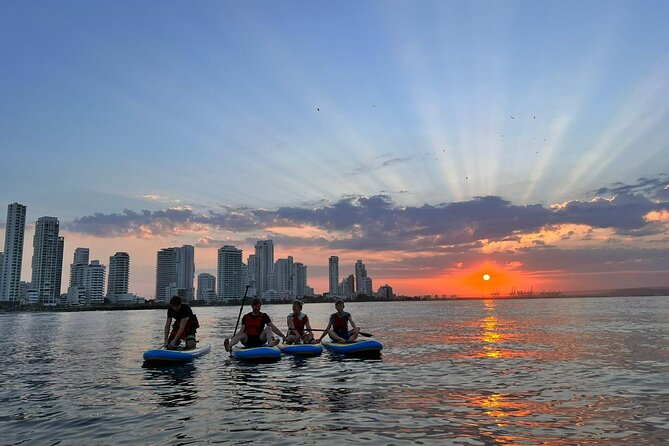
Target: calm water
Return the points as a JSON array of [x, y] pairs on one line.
[[562, 371]]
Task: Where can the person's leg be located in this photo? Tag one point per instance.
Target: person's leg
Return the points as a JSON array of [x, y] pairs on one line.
[[354, 336], [266, 337], [229, 343], [291, 338], [191, 343], [335, 337]]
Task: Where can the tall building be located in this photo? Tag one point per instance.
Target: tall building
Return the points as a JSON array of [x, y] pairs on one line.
[[367, 288], [47, 262], [119, 274], [175, 272], [206, 287], [347, 287], [10, 272], [186, 271], [333, 274], [80, 261], [94, 283], [166, 274], [284, 276], [229, 273], [264, 266], [300, 281], [252, 267], [360, 274]]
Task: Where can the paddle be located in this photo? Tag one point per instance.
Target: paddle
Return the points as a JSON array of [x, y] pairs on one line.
[[361, 333], [240, 313]]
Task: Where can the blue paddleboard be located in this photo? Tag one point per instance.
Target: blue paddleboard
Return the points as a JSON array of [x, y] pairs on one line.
[[364, 346], [301, 349], [175, 356], [264, 353]]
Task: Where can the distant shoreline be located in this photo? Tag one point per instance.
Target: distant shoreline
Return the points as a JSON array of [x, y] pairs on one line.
[[11, 307]]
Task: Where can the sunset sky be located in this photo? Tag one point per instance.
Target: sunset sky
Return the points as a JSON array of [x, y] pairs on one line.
[[436, 141]]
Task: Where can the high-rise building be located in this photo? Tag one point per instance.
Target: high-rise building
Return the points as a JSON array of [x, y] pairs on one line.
[[94, 283], [252, 267], [166, 274], [175, 272], [347, 287], [10, 272], [360, 274], [119, 274], [284, 276], [229, 273], [264, 266], [186, 271], [47, 262], [80, 261], [366, 287], [206, 288], [333, 274], [300, 281]]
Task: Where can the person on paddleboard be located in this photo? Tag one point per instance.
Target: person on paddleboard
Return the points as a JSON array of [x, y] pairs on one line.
[[337, 328], [185, 325], [256, 329], [299, 329]]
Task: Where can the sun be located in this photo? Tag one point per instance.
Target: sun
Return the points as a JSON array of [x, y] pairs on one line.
[[486, 277]]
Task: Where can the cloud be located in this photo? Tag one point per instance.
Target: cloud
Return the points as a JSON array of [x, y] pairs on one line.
[[378, 223], [379, 162]]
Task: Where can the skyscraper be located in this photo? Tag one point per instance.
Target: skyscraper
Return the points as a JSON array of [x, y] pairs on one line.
[[47, 262], [166, 273], [300, 281], [10, 272], [186, 271], [229, 273], [360, 274], [80, 261], [264, 265], [94, 283], [334, 274], [175, 272], [206, 287], [283, 276], [119, 274]]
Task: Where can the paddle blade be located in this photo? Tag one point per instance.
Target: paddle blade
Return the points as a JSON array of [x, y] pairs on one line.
[[367, 335]]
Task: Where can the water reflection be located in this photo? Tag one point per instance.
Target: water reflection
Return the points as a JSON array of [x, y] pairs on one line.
[[174, 384]]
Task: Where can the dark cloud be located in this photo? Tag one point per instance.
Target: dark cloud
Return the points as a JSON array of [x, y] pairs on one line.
[[378, 223]]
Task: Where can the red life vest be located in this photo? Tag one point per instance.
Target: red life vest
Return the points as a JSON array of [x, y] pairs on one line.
[[254, 325], [340, 324], [300, 323]]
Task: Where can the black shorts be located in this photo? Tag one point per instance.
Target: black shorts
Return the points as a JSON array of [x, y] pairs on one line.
[[253, 341]]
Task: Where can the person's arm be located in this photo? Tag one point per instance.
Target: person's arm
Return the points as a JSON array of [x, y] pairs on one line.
[[307, 326], [276, 330], [353, 326], [182, 327], [326, 330], [291, 325], [168, 322]]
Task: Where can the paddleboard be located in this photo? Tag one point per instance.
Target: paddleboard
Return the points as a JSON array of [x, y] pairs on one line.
[[175, 356], [364, 346], [301, 349], [264, 353]]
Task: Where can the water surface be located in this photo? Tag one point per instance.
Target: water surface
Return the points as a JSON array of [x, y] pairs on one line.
[[544, 371]]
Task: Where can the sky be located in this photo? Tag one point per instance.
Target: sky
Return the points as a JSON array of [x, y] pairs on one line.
[[434, 140]]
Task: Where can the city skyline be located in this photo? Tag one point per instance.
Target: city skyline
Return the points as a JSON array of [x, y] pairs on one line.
[[437, 142]]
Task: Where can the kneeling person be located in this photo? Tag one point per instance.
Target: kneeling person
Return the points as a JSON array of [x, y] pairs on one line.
[[185, 325], [256, 329]]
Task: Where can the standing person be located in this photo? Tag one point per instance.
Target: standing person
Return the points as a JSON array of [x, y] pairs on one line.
[[337, 328], [256, 329], [297, 323], [185, 325]]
